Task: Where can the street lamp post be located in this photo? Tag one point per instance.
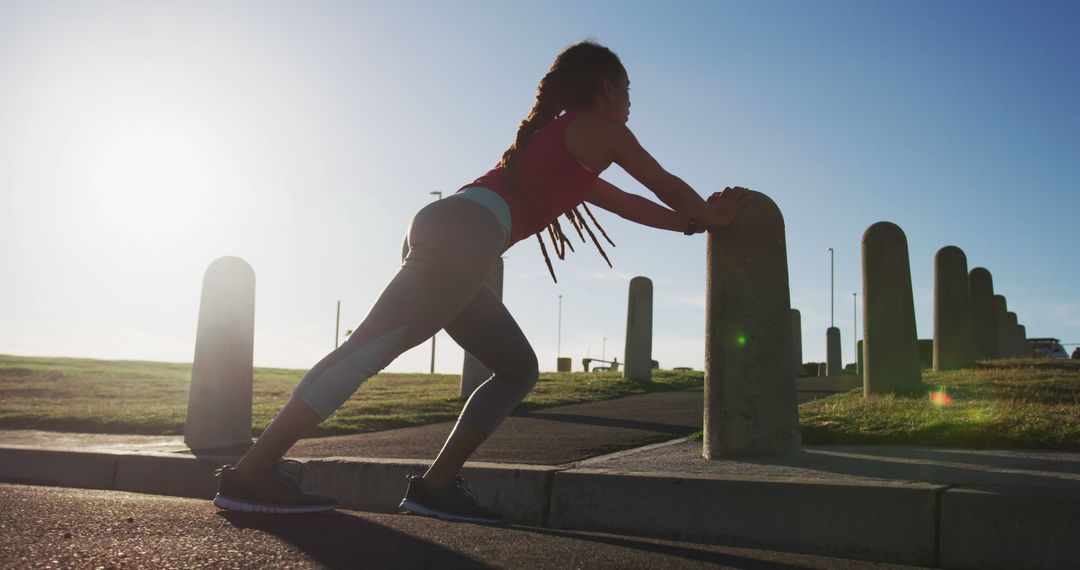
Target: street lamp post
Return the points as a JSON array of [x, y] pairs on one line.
[[337, 325], [832, 289]]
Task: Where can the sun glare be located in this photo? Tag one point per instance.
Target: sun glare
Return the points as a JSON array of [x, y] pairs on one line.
[[149, 180]]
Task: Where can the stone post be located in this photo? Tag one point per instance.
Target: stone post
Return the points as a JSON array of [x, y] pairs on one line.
[[1004, 334], [750, 401], [638, 348], [1025, 346], [890, 346], [859, 359], [219, 401], [926, 352], [473, 374], [1013, 326], [952, 311], [983, 319], [834, 364], [796, 342]]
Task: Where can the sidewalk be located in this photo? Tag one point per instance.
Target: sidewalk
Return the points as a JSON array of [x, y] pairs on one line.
[[625, 466]]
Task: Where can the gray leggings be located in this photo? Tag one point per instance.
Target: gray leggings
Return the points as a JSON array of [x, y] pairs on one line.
[[452, 244]]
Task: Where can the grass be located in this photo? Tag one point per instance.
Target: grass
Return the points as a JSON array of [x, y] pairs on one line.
[[1030, 403], [132, 397]]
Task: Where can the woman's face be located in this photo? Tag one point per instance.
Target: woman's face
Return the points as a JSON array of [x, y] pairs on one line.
[[614, 100]]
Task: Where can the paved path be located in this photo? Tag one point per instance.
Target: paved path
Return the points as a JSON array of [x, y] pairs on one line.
[[551, 436], [65, 528]]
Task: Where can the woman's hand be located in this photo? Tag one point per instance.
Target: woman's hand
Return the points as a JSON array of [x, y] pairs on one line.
[[727, 204]]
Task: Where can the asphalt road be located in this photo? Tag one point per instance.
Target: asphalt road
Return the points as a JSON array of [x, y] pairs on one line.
[[50, 527]]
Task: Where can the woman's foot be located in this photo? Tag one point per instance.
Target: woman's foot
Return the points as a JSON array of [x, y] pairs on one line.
[[456, 502], [272, 491]]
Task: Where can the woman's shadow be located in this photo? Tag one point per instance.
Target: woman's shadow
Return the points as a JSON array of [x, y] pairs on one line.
[[339, 540]]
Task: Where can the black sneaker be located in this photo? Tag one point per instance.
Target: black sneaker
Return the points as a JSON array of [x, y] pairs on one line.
[[454, 503], [275, 491]]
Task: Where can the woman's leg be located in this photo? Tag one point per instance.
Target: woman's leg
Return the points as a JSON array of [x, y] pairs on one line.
[[487, 331], [452, 243]]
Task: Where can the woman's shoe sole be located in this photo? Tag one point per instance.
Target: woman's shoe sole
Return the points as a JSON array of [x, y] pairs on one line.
[[231, 504], [418, 509]]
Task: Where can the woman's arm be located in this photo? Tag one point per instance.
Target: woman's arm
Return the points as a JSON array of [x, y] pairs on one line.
[[638, 209], [670, 189]]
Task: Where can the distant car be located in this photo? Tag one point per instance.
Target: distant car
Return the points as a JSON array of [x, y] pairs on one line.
[[1047, 348]]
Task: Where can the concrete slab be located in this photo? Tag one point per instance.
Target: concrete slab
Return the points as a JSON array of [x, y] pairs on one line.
[[86, 470], [869, 463], [518, 492], [38, 439], [168, 474], [881, 521], [1010, 527]]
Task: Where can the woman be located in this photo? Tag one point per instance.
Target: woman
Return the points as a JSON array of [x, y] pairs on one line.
[[576, 130]]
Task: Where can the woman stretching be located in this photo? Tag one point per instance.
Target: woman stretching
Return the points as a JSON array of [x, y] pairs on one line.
[[575, 131]]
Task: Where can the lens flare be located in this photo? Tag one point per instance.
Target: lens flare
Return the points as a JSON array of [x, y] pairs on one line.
[[940, 398], [741, 340]]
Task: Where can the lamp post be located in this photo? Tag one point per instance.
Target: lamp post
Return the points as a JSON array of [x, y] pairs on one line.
[[337, 325], [439, 194], [832, 290]]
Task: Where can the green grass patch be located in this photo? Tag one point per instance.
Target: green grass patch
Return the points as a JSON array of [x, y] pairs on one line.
[[1030, 403], [133, 397]]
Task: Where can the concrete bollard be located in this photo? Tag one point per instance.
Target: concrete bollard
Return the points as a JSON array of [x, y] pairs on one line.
[[833, 360], [750, 400], [1004, 334], [219, 401], [1025, 347], [562, 364], [1013, 324], [822, 369], [890, 346], [473, 373], [983, 319], [953, 343], [638, 348], [796, 342], [926, 352]]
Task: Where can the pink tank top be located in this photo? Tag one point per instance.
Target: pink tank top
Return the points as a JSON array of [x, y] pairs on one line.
[[548, 180]]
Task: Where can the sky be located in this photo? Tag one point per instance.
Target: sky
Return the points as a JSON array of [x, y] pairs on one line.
[[140, 141]]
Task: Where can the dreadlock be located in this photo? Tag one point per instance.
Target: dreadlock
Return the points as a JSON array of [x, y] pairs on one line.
[[571, 82]]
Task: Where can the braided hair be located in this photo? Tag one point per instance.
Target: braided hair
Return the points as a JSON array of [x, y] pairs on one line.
[[571, 82]]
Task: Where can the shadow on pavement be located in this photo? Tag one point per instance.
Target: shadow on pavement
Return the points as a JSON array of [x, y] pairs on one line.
[[996, 460], [929, 466], [671, 429], [702, 555], [338, 540]]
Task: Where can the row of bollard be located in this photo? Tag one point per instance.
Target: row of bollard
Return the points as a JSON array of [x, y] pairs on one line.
[[752, 337], [970, 321]]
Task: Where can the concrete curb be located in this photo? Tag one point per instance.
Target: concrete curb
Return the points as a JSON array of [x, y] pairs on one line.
[[910, 523], [887, 522], [1010, 527]]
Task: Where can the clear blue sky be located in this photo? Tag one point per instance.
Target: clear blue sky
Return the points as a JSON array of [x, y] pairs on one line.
[[139, 141]]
